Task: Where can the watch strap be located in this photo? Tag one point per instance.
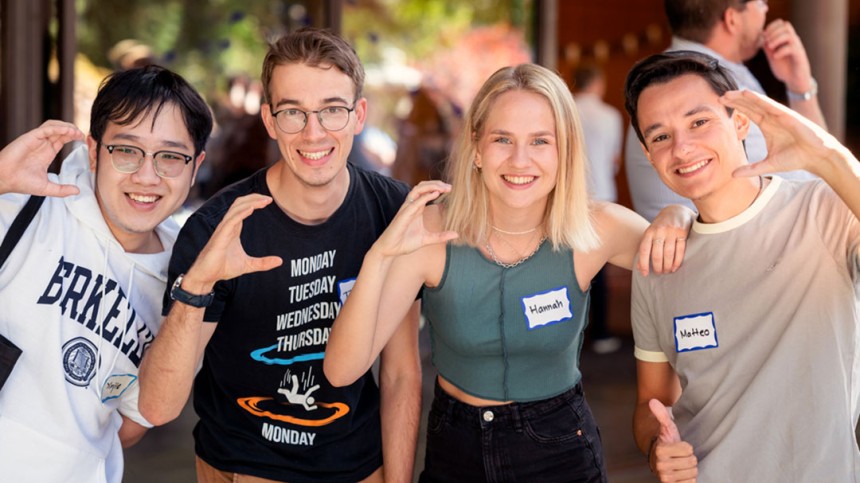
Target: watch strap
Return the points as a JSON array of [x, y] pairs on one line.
[[195, 300], [804, 96]]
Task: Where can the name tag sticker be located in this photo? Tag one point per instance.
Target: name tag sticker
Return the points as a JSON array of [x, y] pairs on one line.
[[116, 384], [547, 308], [695, 332], [344, 288]]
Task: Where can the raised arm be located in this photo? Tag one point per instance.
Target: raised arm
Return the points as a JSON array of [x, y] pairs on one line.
[[24, 162], [391, 275], [794, 142], [624, 233], [168, 367], [790, 64]]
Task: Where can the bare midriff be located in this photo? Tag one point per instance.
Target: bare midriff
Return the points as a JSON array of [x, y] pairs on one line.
[[464, 397]]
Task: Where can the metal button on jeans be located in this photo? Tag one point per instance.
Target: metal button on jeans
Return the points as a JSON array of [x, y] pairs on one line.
[[488, 416]]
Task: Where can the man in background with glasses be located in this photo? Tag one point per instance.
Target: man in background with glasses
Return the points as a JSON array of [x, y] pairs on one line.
[[732, 31], [258, 276], [79, 295]]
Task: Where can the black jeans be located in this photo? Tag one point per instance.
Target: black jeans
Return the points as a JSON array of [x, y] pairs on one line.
[[553, 440]]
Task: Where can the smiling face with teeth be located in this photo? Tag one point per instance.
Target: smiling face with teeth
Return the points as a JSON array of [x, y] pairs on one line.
[[134, 204], [518, 153], [691, 140], [313, 157]]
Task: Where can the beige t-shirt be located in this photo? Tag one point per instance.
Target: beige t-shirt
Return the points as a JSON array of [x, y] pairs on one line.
[[761, 324]]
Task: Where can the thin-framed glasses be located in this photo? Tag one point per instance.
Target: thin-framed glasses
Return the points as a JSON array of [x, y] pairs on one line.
[[129, 159], [331, 118]]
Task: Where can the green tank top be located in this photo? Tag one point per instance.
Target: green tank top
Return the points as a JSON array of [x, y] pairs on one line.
[[507, 334]]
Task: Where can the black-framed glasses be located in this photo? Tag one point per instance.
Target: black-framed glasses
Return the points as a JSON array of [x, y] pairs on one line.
[[331, 118], [129, 159]]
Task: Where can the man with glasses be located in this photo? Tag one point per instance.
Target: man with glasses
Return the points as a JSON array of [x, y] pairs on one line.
[[732, 31], [258, 276], [79, 295]]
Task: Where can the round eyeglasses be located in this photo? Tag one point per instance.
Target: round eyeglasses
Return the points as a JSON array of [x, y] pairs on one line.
[[331, 118], [129, 159]]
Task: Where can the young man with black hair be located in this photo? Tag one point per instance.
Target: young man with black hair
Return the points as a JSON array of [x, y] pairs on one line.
[[80, 292]]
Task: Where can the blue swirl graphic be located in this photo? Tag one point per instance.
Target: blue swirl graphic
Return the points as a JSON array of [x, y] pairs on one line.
[[260, 356]]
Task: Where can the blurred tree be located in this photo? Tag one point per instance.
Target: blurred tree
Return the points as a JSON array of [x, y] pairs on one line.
[[421, 27], [206, 40], [211, 40]]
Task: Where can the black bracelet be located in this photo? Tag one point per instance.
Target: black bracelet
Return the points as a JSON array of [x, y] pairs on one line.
[[650, 451]]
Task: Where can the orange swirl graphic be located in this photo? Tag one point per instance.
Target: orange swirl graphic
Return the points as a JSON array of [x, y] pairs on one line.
[[251, 404]]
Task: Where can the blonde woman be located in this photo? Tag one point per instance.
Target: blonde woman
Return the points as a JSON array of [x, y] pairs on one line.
[[505, 260]]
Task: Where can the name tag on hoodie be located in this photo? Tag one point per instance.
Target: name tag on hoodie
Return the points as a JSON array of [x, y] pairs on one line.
[[115, 385]]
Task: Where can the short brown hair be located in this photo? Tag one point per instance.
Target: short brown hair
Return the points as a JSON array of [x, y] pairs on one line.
[[695, 19], [314, 47]]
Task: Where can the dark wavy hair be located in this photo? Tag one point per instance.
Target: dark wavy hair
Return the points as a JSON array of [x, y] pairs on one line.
[[125, 96]]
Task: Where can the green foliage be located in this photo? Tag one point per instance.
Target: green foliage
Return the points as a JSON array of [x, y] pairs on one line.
[[421, 27], [209, 40], [205, 40]]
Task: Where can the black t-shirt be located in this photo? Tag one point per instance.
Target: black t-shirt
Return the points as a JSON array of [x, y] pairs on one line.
[[265, 406]]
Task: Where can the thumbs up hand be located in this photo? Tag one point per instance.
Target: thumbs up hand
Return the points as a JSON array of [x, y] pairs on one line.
[[670, 458]]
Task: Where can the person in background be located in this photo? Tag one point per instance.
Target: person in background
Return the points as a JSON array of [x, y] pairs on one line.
[[747, 355], [732, 31], [603, 131], [424, 138], [506, 305], [257, 277], [81, 291]]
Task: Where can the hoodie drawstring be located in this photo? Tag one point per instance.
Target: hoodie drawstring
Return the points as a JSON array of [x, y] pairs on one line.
[[100, 382]]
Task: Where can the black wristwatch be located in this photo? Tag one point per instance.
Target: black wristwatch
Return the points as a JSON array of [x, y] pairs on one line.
[[177, 293]]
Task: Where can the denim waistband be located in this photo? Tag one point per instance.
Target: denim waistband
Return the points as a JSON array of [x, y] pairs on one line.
[[511, 414]]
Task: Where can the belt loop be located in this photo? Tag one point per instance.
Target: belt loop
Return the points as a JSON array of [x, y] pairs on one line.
[[516, 417], [449, 408]]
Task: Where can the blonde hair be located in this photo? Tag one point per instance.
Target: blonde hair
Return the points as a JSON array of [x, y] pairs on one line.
[[567, 219]]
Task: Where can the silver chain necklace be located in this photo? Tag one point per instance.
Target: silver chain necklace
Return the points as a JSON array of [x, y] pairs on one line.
[[512, 264]]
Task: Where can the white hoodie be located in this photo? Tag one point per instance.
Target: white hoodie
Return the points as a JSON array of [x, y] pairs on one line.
[[68, 281]]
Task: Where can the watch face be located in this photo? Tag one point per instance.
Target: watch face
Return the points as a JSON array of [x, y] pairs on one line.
[[175, 287]]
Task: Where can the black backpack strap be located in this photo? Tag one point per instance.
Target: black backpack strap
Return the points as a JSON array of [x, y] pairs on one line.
[[19, 226]]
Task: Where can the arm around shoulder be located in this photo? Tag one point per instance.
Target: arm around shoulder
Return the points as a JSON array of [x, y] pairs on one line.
[[624, 234]]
